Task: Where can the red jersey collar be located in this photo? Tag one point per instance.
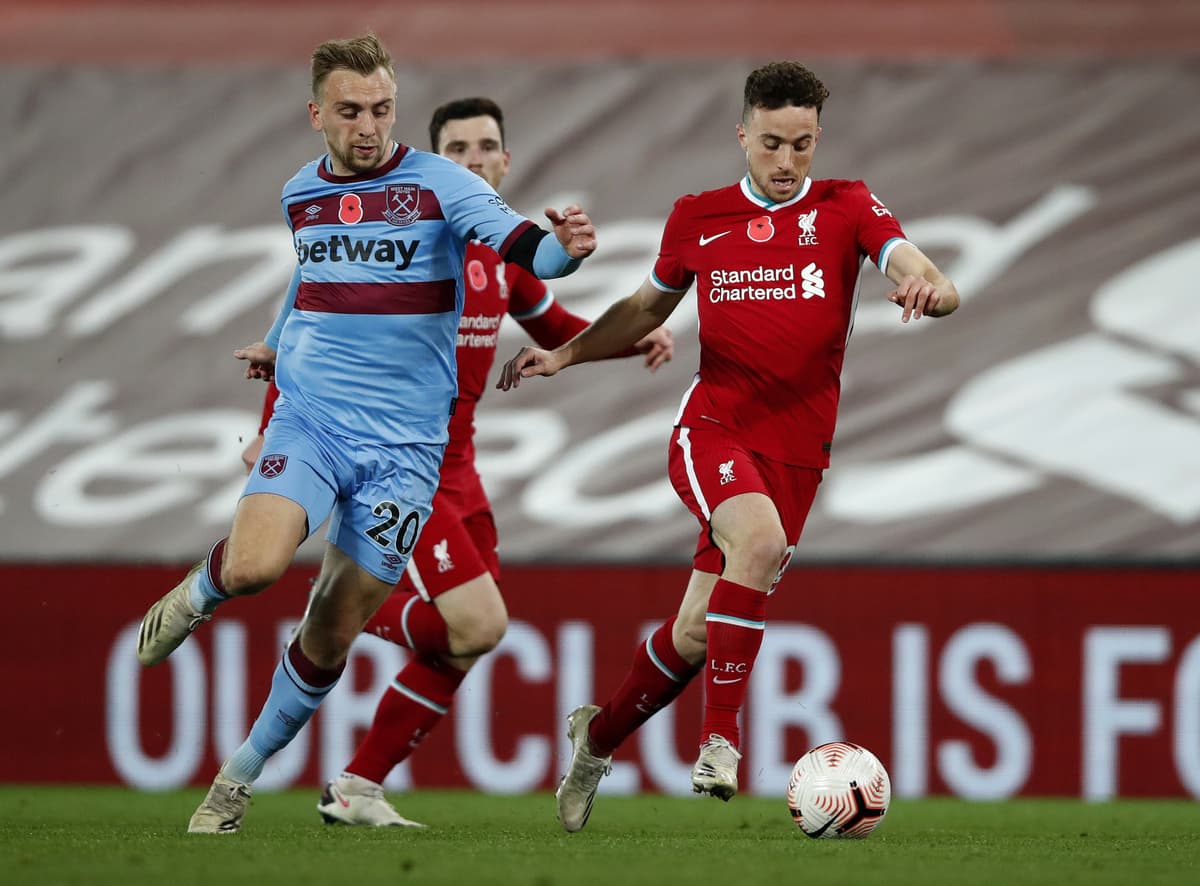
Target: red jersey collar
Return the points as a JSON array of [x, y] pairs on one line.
[[382, 169]]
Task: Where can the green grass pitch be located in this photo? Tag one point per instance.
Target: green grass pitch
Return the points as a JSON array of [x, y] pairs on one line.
[[100, 836]]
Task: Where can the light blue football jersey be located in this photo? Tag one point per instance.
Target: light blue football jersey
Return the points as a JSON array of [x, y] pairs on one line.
[[367, 346]]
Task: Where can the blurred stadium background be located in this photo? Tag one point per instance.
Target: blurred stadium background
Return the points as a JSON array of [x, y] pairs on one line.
[[998, 588]]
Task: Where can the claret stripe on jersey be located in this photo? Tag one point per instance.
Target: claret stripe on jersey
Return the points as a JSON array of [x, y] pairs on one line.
[[325, 210], [423, 297], [379, 171], [380, 261]]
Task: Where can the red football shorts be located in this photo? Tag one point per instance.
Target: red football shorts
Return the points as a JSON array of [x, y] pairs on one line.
[[708, 466], [459, 540]]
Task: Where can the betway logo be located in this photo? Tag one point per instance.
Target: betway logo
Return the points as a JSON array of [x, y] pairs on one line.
[[342, 247]]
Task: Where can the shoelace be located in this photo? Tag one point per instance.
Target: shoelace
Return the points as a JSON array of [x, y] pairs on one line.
[[198, 620], [229, 798], [713, 745], [716, 742]]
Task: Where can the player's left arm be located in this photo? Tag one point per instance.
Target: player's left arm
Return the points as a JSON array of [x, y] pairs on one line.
[[548, 257], [477, 212], [921, 289]]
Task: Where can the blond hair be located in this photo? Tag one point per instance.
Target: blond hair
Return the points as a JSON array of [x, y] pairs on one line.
[[362, 55]]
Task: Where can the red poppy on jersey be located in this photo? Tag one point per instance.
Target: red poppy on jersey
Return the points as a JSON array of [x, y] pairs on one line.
[[760, 230], [476, 274], [770, 358], [350, 209]]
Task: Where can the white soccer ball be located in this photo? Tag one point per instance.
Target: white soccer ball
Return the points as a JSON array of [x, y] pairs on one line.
[[839, 790]]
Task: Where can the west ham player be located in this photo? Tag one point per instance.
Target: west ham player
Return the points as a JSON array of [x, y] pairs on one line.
[[448, 608], [776, 258], [366, 348]]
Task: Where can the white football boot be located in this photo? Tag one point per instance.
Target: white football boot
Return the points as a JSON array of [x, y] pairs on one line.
[[716, 771], [351, 799], [577, 789], [169, 622], [223, 808]]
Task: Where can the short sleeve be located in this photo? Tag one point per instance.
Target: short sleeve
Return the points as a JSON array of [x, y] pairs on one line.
[[476, 212], [878, 230], [670, 273]]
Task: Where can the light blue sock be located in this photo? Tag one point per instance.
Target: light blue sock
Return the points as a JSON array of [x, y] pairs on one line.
[[203, 594], [290, 705], [246, 764]]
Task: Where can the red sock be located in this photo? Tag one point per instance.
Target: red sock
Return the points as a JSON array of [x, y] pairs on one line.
[[408, 620], [415, 702], [656, 677], [734, 628]]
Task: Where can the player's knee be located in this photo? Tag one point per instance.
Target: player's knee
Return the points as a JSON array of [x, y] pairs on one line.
[[760, 554], [326, 646], [481, 633]]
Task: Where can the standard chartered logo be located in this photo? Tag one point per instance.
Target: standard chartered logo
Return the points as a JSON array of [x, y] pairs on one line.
[[755, 284], [747, 285], [812, 281]]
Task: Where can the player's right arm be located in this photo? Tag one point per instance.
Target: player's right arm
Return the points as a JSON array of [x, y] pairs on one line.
[[625, 322], [254, 448], [261, 355], [261, 359], [617, 329]]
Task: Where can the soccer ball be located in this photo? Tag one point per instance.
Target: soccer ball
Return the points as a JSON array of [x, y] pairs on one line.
[[839, 790]]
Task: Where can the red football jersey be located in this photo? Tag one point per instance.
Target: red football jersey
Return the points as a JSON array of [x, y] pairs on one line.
[[777, 284], [493, 289]]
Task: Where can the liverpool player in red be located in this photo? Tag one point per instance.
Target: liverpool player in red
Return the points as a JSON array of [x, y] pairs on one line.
[[776, 258], [448, 608]]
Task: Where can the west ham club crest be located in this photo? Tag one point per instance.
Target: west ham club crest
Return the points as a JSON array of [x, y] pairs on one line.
[[402, 204]]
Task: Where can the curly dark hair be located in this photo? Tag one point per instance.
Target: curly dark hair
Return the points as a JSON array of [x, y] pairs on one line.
[[463, 109], [780, 84]]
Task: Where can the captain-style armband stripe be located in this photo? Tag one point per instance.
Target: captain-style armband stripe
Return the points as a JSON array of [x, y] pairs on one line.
[[886, 253], [521, 243], [659, 284]]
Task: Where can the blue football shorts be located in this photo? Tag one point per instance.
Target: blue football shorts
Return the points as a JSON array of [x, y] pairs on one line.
[[378, 498]]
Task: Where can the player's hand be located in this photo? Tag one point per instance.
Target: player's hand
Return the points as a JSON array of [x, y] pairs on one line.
[[658, 347], [574, 230], [528, 363], [262, 360], [916, 295], [251, 453]]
